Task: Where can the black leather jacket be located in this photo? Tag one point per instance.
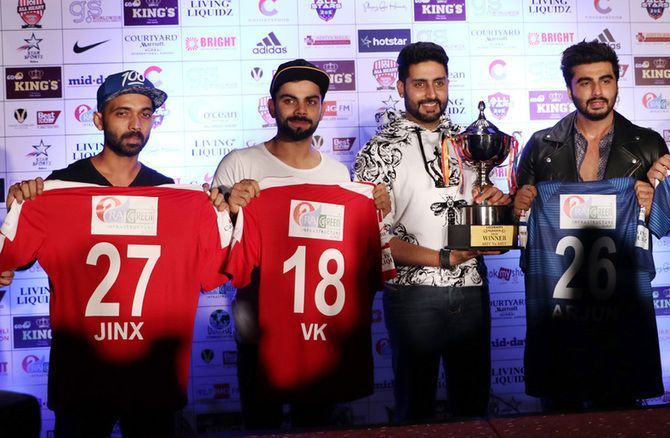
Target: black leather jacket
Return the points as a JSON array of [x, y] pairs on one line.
[[549, 155]]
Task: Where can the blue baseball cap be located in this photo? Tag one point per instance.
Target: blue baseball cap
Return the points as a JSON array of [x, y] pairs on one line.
[[129, 81]]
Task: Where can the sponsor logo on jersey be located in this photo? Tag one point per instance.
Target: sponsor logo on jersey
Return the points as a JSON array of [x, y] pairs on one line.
[[499, 105], [652, 71], [33, 83], [32, 331], [588, 211], [316, 220], [439, 10], [655, 8], [150, 12], [31, 12], [326, 9], [124, 215]]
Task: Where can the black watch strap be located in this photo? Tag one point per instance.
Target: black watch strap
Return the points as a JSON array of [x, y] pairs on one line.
[[444, 258]]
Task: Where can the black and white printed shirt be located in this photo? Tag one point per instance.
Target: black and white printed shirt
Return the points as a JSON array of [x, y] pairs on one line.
[[420, 211]]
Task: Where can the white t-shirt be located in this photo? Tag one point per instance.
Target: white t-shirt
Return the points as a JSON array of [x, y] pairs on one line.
[[256, 162]]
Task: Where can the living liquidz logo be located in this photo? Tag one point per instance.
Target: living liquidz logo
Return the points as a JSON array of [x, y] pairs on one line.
[[33, 83], [31, 12]]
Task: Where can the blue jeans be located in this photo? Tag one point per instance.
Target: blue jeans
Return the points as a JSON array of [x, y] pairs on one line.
[[426, 323]]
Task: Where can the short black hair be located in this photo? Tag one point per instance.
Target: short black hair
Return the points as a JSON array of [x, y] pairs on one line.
[[420, 51], [587, 52]]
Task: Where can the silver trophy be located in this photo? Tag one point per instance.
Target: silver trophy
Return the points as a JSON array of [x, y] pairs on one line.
[[483, 146]]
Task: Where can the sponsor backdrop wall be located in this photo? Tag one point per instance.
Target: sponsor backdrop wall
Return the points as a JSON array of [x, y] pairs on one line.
[[215, 59]]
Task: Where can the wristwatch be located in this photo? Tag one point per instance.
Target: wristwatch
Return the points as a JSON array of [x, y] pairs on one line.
[[444, 258]]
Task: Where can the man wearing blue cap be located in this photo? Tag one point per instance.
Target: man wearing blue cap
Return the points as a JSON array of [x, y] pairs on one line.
[[87, 394]]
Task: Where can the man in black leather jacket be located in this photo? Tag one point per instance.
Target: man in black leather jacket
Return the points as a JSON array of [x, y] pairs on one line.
[[590, 144], [612, 146]]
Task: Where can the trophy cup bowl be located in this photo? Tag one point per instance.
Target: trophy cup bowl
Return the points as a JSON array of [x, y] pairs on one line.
[[482, 147]]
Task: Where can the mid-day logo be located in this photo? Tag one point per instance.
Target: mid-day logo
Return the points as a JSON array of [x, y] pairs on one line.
[[316, 220], [124, 215], [588, 211], [326, 9], [31, 12], [655, 8]]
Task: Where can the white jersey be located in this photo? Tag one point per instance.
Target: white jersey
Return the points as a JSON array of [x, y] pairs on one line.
[[256, 162]]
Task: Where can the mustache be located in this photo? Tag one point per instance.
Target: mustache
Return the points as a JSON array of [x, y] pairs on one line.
[[424, 101], [137, 135], [598, 99], [299, 119]]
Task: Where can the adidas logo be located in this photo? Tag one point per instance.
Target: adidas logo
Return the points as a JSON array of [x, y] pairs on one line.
[[270, 45], [606, 37]]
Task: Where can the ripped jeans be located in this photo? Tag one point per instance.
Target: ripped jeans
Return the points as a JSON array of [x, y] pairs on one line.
[[429, 323]]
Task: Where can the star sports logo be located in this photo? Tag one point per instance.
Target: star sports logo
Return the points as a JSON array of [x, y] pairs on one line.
[[40, 150]]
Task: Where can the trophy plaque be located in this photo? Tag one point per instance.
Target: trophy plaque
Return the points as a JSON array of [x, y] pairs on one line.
[[482, 146]]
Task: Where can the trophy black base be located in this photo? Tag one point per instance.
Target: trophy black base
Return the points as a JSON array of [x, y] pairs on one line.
[[482, 237]]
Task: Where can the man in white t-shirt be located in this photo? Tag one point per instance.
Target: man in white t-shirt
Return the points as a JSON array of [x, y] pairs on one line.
[[297, 91]]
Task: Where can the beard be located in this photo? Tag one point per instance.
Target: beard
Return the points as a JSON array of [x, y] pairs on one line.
[[414, 109], [129, 144], [285, 130], [583, 107]]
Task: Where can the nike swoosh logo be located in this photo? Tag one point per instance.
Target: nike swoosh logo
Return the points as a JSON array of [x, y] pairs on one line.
[[81, 49]]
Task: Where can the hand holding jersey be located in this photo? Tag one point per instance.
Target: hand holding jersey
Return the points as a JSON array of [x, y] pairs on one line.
[[125, 281], [320, 256]]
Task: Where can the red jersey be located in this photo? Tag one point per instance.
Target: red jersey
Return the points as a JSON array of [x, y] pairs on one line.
[[319, 254], [126, 266]]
